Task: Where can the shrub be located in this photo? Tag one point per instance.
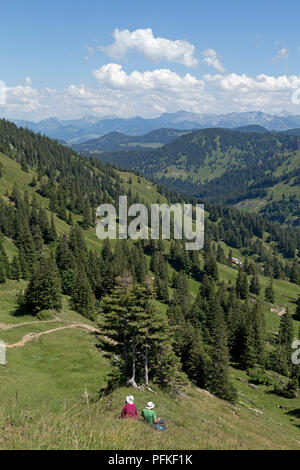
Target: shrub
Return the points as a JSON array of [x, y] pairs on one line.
[[45, 315]]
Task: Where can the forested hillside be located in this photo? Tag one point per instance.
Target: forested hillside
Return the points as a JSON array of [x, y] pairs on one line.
[[256, 170], [163, 318], [118, 141]]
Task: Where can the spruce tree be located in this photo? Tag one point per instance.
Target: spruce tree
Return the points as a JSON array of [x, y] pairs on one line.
[[218, 379], [81, 296], [141, 335], [210, 265], [2, 273], [52, 236], [242, 287], [196, 360], [284, 347], [269, 293], [86, 222], [294, 274], [15, 269], [254, 285], [44, 289]]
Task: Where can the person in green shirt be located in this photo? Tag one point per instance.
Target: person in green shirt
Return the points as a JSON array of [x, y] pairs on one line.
[[149, 416]]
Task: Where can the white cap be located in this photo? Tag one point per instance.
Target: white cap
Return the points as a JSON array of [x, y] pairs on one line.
[[130, 399]]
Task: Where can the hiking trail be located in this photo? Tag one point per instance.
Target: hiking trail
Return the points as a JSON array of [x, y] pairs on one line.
[[35, 336]]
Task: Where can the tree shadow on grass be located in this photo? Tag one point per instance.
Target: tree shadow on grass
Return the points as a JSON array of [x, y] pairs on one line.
[[294, 414], [21, 311]]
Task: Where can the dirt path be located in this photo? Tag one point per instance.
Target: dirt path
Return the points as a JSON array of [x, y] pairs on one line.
[[4, 326], [35, 336]]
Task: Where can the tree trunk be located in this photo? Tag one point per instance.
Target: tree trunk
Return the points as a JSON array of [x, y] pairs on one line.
[[125, 353], [146, 368], [133, 361], [132, 383]]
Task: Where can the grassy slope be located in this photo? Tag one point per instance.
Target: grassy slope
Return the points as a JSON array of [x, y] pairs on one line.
[[196, 421], [41, 387]]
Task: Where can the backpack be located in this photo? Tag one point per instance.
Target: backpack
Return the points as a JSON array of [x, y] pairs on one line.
[[160, 427]]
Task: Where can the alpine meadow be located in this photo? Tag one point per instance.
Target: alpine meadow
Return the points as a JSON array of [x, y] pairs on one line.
[[169, 322]]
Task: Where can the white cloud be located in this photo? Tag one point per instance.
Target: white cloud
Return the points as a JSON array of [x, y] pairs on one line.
[[114, 76], [22, 97], [2, 92], [154, 49], [281, 55], [28, 81], [151, 93], [90, 51], [244, 83], [263, 92], [211, 58]]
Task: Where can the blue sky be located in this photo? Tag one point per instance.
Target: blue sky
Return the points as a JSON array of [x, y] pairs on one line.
[[66, 59]]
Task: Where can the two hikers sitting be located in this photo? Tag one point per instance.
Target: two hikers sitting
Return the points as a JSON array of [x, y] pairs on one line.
[[148, 413]]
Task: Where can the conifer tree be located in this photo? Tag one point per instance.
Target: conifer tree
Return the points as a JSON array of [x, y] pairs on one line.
[[86, 222], [294, 274], [196, 359], [218, 379], [2, 273], [269, 292], [254, 285], [25, 243], [52, 237], [44, 289], [70, 219], [242, 287], [141, 335], [210, 265], [284, 347], [38, 239], [220, 257], [81, 296], [15, 269], [44, 224]]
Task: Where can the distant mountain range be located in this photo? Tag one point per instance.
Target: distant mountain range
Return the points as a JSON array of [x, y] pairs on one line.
[[89, 127]]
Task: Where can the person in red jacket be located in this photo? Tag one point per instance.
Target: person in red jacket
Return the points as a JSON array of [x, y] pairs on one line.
[[129, 410]]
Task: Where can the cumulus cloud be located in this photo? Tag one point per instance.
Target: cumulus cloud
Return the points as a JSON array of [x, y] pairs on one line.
[[153, 48], [263, 92], [262, 82], [281, 55], [153, 92], [114, 76], [211, 58], [2, 92], [22, 97]]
